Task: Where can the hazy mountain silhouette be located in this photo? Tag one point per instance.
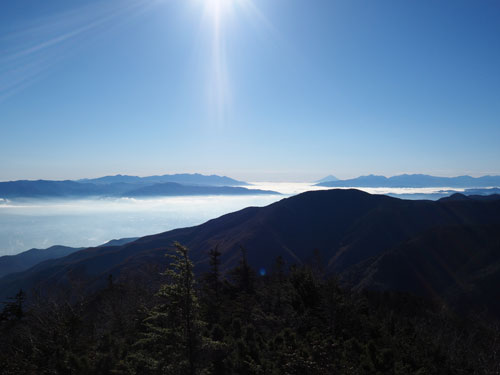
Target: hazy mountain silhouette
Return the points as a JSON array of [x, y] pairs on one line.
[[27, 259], [416, 181], [175, 189], [119, 242], [482, 191], [45, 188], [183, 178], [348, 229], [477, 193], [328, 178], [72, 189]]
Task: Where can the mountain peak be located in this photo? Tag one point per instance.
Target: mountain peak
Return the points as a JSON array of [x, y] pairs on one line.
[[349, 228], [328, 178]]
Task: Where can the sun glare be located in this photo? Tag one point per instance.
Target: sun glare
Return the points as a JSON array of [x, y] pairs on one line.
[[219, 88], [217, 10], [218, 7], [217, 15]]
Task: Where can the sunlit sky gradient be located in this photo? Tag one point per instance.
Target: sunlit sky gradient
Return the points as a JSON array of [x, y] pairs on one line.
[[259, 90]]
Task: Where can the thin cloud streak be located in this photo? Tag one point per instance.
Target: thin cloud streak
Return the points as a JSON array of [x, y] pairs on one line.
[[49, 41]]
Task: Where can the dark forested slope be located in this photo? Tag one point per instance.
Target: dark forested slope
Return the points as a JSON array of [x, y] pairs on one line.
[[352, 232]]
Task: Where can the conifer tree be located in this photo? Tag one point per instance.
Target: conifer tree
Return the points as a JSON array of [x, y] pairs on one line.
[[172, 340], [14, 309], [212, 288], [243, 275]]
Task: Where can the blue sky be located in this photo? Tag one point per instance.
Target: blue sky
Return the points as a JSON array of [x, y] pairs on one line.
[[255, 89]]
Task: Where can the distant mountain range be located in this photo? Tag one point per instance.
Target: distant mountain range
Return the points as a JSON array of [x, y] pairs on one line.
[[197, 184], [475, 193], [184, 178], [126, 186], [416, 181], [446, 250]]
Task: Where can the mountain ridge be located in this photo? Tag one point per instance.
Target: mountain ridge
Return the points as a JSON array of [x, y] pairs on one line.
[[72, 189], [24, 260], [29, 258], [416, 181], [181, 178], [346, 228]]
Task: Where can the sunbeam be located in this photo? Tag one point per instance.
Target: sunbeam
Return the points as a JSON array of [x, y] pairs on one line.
[[219, 86], [217, 15]]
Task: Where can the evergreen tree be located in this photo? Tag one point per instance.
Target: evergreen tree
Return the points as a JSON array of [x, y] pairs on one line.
[[213, 277], [288, 322], [243, 276], [14, 309], [172, 342], [212, 288]]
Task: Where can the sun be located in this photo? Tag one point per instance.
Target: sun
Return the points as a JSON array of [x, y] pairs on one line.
[[218, 8]]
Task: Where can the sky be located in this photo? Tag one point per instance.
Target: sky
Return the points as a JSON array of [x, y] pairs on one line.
[[259, 90]]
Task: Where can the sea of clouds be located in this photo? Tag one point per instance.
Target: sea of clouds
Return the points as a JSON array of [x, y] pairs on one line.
[[26, 224]]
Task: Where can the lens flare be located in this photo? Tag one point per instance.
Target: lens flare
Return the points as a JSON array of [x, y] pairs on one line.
[[217, 14], [218, 87]]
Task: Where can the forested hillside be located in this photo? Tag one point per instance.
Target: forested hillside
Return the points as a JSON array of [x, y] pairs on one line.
[[292, 320]]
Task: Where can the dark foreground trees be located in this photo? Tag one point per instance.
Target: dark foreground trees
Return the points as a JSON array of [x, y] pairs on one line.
[[171, 340], [290, 321]]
